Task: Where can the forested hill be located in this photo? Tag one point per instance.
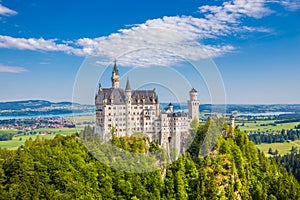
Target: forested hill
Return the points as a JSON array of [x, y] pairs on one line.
[[63, 169]]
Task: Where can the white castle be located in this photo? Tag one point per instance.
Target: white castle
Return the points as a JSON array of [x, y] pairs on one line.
[[125, 112]]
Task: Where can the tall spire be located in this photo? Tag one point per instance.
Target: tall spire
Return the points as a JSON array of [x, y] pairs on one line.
[[115, 79], [115, 70], [127, 88]]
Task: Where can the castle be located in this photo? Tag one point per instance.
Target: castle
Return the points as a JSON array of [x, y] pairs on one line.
[[125, 112]]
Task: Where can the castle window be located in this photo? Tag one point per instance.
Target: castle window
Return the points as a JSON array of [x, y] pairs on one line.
[[109, 108]]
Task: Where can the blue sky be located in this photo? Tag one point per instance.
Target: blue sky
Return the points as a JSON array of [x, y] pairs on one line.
[[255, 44]]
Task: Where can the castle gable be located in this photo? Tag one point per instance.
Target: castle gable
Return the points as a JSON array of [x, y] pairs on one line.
[[115, 95], [149, 96]]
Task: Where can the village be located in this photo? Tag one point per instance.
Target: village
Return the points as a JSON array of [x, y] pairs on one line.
[[30, 124]]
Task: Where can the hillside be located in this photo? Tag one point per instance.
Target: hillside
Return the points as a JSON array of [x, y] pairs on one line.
[[42, 107], [63, 169]]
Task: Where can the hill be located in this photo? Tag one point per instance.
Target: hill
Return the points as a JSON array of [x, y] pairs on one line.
[[62, 168], [41, 107], [31, 104]]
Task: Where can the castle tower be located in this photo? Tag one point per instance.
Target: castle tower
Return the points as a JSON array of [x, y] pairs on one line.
[[193, 104], [231, 121], [170, 107], [115, 79], [156, 106], [128, 107]]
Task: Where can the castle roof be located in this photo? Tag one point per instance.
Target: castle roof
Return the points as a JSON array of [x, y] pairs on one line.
[[174, 114], [149, 96], [118, 96], [193, 90], [127, 85]]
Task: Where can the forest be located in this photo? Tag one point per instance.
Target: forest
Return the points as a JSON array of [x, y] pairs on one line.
[[63, 168], [283, 136], [291, 162]]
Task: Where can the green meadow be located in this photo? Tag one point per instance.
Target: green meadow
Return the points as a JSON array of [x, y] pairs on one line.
[[2, 131], [81, 119], [252, 126], [17, 141], [283, 148]]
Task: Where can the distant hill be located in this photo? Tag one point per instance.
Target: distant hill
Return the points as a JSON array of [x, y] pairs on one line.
[[42, 107], [239, 108], [32, 104]]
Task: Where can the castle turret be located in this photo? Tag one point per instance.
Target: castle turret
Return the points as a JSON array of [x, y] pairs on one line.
[[170, 107], [156, 106], [128, 107], [115, 79], [193, 104]]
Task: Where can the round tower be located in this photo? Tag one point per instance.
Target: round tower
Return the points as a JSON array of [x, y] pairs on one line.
[[193, 104], [170, 107]]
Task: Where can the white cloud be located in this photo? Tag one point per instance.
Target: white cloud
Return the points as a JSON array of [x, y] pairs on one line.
[[6, 11], [33, 44], [163, 41], [11, 69]]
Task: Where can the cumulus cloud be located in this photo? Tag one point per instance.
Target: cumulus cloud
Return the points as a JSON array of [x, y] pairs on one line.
[[11, 69], [163, 41], [6, 11], [33, 44]]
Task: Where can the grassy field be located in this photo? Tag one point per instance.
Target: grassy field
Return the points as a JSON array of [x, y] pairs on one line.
[[80, 119], [283, 148], [257, 126], [17, 141], [8, 131]]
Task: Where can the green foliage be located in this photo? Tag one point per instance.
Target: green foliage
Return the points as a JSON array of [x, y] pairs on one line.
[[291, 162], [62, 168]]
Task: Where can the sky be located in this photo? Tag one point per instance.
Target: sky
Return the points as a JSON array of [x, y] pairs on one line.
[[251, 46]]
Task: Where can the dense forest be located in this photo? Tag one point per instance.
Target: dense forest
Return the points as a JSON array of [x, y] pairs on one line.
[[283, 136], [291, 162], [63, 168]]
